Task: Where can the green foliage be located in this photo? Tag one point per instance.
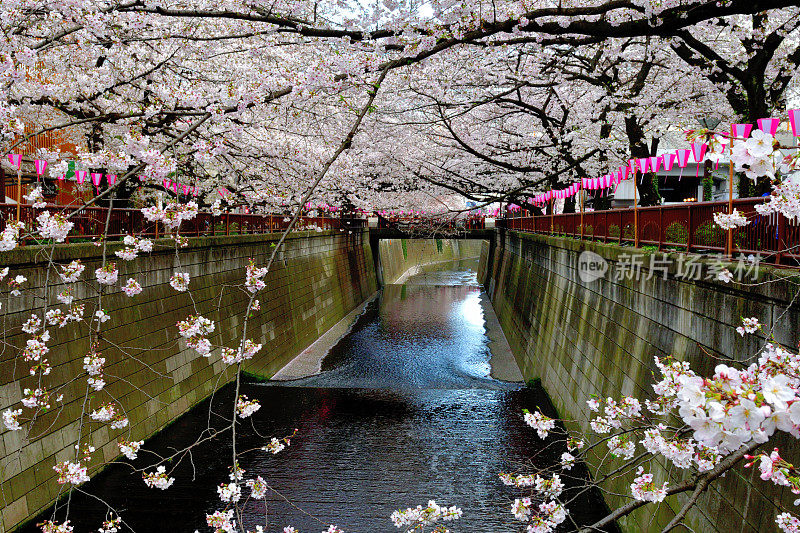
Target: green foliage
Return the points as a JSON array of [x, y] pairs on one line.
[[708, 188], [677, 233], [439, 245], [254, 377], [405, 249], [613, 231], [709, 234], [745, 187], [628, 232], [534, 383]]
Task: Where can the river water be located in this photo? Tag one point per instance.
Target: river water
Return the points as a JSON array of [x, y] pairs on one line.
[[404, 411]]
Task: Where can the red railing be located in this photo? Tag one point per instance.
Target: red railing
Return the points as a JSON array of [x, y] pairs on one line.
[[91, 222], [687, 227]]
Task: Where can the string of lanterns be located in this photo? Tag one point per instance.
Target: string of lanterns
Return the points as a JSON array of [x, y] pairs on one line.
[[666, 162]]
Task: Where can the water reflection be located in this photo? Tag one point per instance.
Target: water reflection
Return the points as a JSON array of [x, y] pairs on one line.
[[427, 334], [403, 412]]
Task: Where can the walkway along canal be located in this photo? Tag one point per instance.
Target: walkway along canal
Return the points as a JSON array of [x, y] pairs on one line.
[[404, 410]]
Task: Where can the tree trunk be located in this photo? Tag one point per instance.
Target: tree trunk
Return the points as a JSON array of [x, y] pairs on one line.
[[648, 187]]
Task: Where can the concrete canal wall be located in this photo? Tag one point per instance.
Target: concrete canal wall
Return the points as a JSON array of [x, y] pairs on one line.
[[599, 337], [397, 256], [317, 279]]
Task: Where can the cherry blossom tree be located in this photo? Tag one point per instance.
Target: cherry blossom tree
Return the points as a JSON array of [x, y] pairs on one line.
[[391, 106]]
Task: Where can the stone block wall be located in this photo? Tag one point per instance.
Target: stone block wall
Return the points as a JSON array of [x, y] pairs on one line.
[[600, 337], [398, 255], [315, 281]]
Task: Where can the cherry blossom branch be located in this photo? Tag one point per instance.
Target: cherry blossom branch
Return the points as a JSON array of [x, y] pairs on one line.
[[706, 478]]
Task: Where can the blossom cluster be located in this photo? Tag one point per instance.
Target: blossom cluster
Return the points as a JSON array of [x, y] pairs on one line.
[[276, 446], [36, 197], [133, 246], [785, 199], [254, 277], [172, 214], [195, 330], [180, 281], [749, 325], [736, 406], [229, 492], [541, 518], [776, 469], [111, 525], [730, 221], [222, 521], [541, 423], [107, 275], [93, 365], [614, 413], [644, 489], [49, 526], [245, 407], [68, 472], [55, 227], [258, 488], [757, 155], [420, 516], [72, 271], [245, 352], [9, 237], [130, 449], [132, 287], [158, 479], [11, 419]]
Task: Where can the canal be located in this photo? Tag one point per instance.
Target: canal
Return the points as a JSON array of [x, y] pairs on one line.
[[404, 410]]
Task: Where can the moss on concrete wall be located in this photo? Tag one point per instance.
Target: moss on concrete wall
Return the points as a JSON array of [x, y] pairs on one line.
[[399, 255], [316, 280], [600, 337]]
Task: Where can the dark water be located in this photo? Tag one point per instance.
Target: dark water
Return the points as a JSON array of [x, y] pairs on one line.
[[403, 412]]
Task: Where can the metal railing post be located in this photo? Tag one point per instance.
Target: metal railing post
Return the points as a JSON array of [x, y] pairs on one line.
[[729, 240]]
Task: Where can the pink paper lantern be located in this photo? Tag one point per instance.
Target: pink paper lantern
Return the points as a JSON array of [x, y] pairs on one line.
[[699, 151], [682, 157], [741, 131], [654, 162], [15, 160], [769, 125], [40, 165], [669, 161], [111, 178], [794, 121], [80, 176], [96, 177]]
